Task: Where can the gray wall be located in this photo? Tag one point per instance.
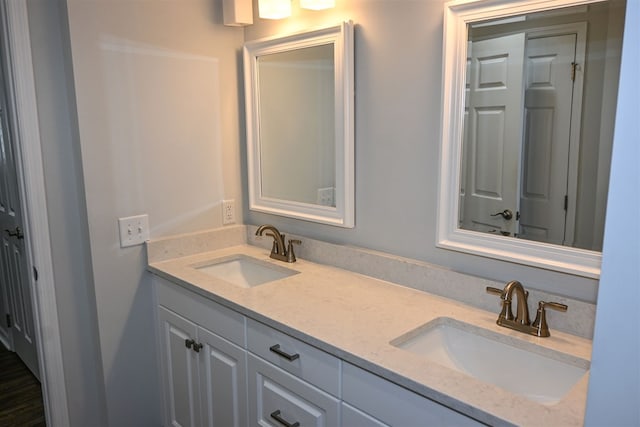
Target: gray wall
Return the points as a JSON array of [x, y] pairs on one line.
[[614, 384], [157, 107], [67, 214]]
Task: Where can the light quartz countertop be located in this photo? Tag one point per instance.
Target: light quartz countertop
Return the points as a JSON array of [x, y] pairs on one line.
[[354, 317]]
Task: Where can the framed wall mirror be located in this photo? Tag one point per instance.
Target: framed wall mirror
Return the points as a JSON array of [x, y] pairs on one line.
[[529, 98], [300, 135]]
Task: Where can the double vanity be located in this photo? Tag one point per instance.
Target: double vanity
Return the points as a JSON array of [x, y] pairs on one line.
[[344, 336], [246, 339]]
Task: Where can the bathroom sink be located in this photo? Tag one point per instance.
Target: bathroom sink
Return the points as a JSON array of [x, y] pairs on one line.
[[521, 367], [244, 271]]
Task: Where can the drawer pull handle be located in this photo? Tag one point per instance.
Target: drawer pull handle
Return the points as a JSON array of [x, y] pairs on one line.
[[276, 416], [289, 357]]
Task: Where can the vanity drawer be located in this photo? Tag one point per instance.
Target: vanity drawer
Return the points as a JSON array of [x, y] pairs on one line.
[[353, 417], [277, 398], [391, 404], [227, 323], [307, 362]]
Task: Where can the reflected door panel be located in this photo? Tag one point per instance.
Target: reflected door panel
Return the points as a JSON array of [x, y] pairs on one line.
[[548, 96], [492, 141]]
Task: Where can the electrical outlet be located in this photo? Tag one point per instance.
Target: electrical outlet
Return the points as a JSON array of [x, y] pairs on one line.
[[326, 196], [134, 230], [228, 212]]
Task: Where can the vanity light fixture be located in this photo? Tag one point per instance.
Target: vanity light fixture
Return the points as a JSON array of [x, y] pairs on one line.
[[237, 13], [317, 4], [278, 9], [274, 9]]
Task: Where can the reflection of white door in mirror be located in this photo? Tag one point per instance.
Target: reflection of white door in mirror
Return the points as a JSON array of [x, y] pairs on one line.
[[555, 127], [548, 94], [531, 180], [493, 133]]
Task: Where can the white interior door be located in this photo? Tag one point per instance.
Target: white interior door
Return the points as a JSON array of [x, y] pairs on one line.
[[493, 134], [15, 279], [548, 101]]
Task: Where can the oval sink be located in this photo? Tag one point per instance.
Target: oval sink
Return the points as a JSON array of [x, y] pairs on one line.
[[244, 271], [521, 367]]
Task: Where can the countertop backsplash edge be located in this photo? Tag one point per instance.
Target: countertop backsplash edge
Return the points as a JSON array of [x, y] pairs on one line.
[[415, 274]]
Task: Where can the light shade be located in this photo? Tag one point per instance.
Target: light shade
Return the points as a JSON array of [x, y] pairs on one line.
[[237, 13], [274, 9], [317, 4]]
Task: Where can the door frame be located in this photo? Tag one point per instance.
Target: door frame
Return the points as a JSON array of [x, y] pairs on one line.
[[28, 157]]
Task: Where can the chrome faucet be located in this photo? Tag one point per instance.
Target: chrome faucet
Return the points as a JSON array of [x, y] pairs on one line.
[[521, 321], [278, 250]]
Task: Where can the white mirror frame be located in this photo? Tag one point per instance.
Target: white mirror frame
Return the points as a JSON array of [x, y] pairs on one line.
[[341, 36], [457, 14]]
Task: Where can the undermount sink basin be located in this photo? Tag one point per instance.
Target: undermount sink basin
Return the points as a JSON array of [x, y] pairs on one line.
[[521, 367], [244, 271]]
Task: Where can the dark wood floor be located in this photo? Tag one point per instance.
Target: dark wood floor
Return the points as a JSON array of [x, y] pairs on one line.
[[20, 393]]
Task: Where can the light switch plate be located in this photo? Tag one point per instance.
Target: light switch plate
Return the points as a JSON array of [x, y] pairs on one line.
[[134, 230]]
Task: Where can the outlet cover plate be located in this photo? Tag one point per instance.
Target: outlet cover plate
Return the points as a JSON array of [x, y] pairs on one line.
[[228, 212]]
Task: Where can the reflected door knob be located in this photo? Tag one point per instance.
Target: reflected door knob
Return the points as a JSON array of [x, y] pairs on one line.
[[15, 233], [506, 214]]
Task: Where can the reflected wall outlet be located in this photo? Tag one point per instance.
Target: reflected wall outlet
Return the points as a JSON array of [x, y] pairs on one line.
[[326, 196], [228, 212], [134, 230]]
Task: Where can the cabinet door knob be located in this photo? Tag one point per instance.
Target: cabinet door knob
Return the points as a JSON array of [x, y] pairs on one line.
[[289, 357], [276, 416], [197, 347], [189, 342]]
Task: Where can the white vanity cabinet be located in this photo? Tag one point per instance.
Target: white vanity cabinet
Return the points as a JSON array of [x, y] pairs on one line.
[[291, 383], [372, 401], [222, 369], [279, 399], [204, 371]]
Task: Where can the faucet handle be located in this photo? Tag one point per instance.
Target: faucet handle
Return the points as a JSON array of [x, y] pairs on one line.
[[506, 313], [555, 305], [495, 291], [540, 323], [291, 256]]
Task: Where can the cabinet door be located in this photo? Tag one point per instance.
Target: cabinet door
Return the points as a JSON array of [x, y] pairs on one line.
[[223, 381], [180, 370]]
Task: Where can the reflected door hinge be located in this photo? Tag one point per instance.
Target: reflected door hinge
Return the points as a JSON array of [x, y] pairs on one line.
[[574, 66], [8, 320], [35, 274], [566, 202]]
